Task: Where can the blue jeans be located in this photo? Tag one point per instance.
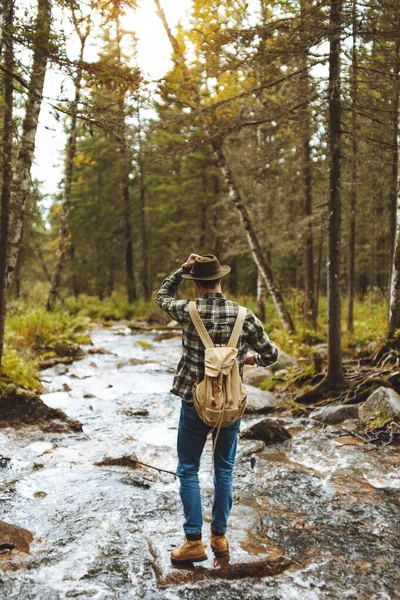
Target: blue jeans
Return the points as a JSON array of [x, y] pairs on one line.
[[192, 435]]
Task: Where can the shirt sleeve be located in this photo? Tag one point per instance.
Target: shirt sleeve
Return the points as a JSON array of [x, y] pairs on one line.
[[258, 340], [177, 309]]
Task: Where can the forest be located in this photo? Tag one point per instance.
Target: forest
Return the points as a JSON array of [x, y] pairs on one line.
[[271, 141]]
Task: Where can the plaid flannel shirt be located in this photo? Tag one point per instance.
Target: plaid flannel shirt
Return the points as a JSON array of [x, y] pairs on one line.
[[218, 315]]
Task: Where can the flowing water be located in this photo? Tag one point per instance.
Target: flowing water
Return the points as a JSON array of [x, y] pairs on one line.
[[316, 517]]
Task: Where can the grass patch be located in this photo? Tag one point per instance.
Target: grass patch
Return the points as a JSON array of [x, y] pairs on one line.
[[115, 308], [33, 332], [144, 344], [268, 384]]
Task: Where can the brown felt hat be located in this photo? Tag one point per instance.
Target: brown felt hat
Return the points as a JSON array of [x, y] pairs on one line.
[[206, 268]]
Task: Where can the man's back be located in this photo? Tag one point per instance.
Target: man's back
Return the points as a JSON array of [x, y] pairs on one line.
[[219, 315]]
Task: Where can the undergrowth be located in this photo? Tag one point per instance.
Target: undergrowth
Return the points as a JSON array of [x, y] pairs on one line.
[[31, 331]]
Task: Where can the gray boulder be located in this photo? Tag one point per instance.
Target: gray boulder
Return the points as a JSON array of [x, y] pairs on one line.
[[384, 403], [268, 431], [331, 415], [260, 401], [254, 375], [285, 361], [321, 349]]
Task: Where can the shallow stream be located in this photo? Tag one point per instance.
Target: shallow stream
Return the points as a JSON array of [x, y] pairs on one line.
[[316, 517]]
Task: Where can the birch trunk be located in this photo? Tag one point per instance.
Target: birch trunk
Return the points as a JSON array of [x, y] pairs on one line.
[[394, 187], [335, 375], [6, 163], [234, 191], [353, 200], [22, 173], [257, 252], [63, 234], [394, 310]]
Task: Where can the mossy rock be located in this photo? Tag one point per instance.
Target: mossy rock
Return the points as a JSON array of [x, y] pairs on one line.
[[23, 407], [66, 348]]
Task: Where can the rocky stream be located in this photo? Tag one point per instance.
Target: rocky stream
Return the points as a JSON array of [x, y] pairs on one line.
[[315, 516]]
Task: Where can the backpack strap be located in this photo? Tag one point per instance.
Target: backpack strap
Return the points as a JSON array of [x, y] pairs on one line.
[[237, 329], [199, 325]]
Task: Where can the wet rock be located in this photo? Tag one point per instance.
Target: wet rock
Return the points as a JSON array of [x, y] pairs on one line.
[[259, 401], [132, 362], [6, 547], [66, 348], [120, 461], [251, 448], [60, 369], [331, 415], [23, 407], [130, 412], [4, 462], [17, 537], [40, 495], [321, 349], [285, 361], [138, 325], [383, 404], [254, 375], [268, 431], [47, 362], [137, 481], [98, 351]]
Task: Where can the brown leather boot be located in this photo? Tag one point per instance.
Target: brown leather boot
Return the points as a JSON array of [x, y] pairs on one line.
[[219, 545], [191, 551]]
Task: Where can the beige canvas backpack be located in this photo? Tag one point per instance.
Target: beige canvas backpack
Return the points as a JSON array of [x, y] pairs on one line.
[[219, 399]]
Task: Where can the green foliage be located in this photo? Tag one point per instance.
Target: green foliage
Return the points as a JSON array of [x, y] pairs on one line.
[[114, 308], [19, 370], [31, 331], [268, 384]]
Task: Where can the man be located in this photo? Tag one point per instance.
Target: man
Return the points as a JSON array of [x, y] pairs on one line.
[[219, 316]]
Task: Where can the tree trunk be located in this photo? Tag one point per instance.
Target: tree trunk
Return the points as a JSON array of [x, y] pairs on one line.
[[261, 296], [63, 234], [130, 282], [319, 268], [21, 183], [3, 5], [335, 375], [305, 127], [257, 252], [394, 311], [7, 158], [353, 200], [394, 186], [143, 221]]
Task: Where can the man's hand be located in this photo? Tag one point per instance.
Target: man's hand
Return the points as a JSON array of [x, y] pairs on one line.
[[249, 360], [189, 263]]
